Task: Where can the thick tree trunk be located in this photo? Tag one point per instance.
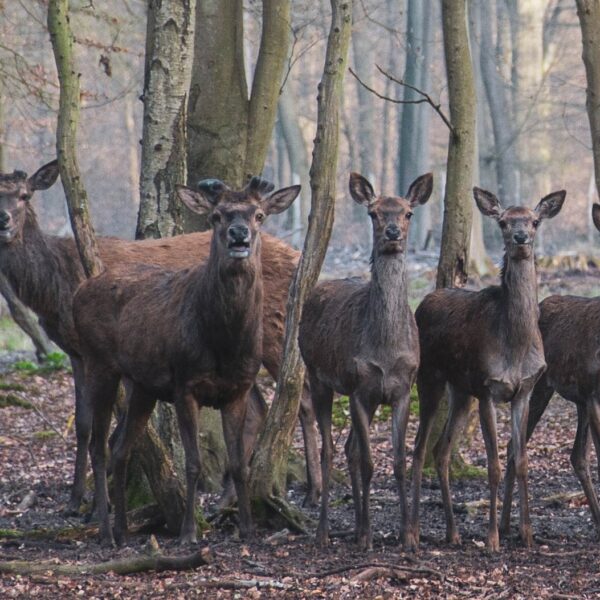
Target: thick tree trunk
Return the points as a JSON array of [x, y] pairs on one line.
[[270, 459], [169, 39], [66, 136], [458, 204], [589, 18]]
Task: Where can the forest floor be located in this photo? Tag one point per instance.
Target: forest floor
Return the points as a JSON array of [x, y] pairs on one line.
[[37, 446]]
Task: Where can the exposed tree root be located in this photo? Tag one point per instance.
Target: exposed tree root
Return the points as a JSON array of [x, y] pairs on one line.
[[124, 566], [276, 513]]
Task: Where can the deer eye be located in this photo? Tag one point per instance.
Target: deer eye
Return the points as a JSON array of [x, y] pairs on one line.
[[216, 217], [502, 224], [409, 215], [260, 217], [536, 223], [24, 196]]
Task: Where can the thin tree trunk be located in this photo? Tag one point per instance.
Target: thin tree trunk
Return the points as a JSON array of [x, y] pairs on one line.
[[270, 459], [458, 205], [66, 136], [169, 52], [589, 19]]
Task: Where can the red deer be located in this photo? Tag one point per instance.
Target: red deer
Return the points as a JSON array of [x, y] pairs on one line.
[[360, 339], [192, 337], [572, 349], [45, 271], [484, 344]]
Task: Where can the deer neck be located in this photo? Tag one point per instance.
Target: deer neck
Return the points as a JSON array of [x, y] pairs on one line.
[[42, 269], [388, 300], [519, 284]]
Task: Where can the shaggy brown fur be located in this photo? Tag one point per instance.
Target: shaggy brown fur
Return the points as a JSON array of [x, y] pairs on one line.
[[485, 344], [360, 339], [572, 347]]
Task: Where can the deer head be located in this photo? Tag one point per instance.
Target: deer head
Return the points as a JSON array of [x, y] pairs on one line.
[[519, 224], [16, 190], [236, 217], [390, 215]]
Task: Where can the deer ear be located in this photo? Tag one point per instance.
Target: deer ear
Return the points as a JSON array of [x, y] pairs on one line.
[[44, 177], [549, 206], [596, 215], [280, 200], [361, 190], [196, 201], [420, 189], [487, 203]]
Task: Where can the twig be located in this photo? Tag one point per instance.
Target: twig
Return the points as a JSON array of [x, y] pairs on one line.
[[242, 584], [422, 570], [48, 422]]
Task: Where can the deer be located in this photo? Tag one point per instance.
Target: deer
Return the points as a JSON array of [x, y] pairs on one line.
[[572, 349], [484, 344], [45, 271], [361, 339], [192, 337]]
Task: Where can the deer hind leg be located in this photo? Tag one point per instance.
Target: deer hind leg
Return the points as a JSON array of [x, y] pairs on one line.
[[83, 431], [458, 404], [322, 399], [519, 416], [592, 412], [360, 461], [400, 411], [431, 391], [139, 407], [540, 398], [100, 392], [487, 418], [311, 449], [187, 417]]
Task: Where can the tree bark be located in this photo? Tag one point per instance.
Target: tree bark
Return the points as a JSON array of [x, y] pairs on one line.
[[169, 39], [269, 463], [66, 136], [589, 19], [458, 205]]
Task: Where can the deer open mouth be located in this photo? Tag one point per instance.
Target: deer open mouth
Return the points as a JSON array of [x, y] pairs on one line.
[[239, 249]]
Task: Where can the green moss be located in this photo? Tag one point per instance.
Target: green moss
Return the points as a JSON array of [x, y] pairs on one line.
[[12, 337], [341, 412], [15, 387], [201, 522], [7, 400], [55, 361], [44, 435]]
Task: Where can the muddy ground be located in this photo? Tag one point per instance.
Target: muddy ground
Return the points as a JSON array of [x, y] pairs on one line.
[[37, 446]]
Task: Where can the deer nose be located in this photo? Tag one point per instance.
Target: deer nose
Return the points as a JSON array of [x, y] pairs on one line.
[[392, 232], [4, 219], [520, 237], [239, 233]]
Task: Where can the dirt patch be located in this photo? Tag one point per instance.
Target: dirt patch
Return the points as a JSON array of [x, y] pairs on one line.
[[36, 457]]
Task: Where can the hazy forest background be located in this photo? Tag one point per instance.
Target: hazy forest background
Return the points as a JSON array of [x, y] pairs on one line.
[[533, 131]]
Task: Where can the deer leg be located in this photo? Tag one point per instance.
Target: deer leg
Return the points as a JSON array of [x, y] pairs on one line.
[[233, 417], [361, 415], [322, 399], [592, 418], [400, 409], [101, 394], [311, 449], [487, 418], [537, 405], [458, 411], [139, 408], [431, 391], [519, 415], [187, 417], [353, 459], [83, 432]]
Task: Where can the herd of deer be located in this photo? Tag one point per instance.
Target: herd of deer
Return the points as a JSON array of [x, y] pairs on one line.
[[190, 319]]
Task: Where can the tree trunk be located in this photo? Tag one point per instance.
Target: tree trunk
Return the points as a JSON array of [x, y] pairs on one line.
[[589, 19], [269, 463], [458, 204], [169, 39]]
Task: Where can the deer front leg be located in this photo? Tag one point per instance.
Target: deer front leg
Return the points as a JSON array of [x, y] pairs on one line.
[[187, 417], [431, 391], [519, 414], [540, 397], [487, 418], [591, 414], [400, 410], [458, 410], [233, 417]]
